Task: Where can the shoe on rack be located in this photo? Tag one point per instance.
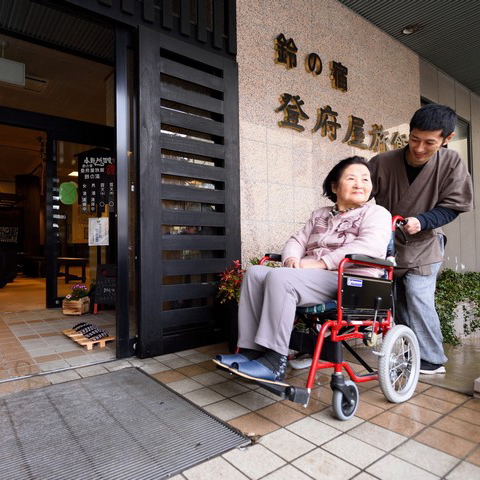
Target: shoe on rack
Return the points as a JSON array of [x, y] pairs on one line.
[[300, 362], [427, 368]]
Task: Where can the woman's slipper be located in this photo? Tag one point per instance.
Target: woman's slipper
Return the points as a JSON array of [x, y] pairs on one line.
[[303, 361], [227, 361], [258, 372]]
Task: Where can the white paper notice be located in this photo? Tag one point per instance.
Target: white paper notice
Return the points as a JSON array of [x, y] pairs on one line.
[[97, 231]]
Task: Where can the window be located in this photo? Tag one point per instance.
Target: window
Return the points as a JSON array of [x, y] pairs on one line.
[[461, 142]]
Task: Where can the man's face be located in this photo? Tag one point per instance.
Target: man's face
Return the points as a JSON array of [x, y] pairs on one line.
[[423, 144]]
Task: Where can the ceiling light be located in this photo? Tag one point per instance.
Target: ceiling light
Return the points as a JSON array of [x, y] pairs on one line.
[[410, 29], [10, 71]]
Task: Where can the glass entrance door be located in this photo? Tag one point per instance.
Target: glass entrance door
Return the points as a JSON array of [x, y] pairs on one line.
[[78, 207]]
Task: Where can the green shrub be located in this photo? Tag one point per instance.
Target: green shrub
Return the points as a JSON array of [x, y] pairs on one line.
[[454, 288]]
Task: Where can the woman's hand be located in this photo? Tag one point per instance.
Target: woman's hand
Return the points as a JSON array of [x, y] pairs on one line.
[[292, 262], [312, 263]]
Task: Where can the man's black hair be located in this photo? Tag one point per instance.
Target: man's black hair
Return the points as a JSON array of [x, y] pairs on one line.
[[336, 172], [434, 117]]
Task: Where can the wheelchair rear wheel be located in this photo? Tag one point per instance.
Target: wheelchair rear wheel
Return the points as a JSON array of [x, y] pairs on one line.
[[399, 365], [342, 408]]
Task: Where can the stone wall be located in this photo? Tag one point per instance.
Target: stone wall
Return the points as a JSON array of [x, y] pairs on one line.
[[282, 169]]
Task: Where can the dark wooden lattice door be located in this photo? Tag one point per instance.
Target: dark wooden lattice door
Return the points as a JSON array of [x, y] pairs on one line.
[[189, 190]]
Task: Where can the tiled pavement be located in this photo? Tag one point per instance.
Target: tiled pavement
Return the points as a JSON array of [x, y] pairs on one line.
[[434, 435], [32, 342]]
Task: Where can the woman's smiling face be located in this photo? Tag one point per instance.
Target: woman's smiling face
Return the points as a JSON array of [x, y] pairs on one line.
[[354, 187]]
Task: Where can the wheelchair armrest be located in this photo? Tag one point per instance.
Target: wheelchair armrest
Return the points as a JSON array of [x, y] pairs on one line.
[[366, 258], [273, 257]]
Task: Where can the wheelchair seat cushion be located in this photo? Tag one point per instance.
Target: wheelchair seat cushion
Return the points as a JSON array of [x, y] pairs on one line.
[[320, 308]]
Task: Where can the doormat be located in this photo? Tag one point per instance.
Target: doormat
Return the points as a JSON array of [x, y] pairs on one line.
[[120, 425]]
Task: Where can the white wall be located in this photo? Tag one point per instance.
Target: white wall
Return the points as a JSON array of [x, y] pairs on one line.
[[462, 252]]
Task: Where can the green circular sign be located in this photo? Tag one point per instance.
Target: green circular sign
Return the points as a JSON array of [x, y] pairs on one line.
[[68, 193]]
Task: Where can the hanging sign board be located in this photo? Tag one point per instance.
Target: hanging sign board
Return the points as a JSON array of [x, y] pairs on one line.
[[106, 285], [96, 180]]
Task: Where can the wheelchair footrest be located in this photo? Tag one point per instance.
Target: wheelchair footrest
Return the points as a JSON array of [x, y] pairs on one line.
[[294, 394]]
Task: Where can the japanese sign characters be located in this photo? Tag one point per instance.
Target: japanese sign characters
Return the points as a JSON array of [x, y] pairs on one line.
[[96, 178], [286, 54], [327, 124]]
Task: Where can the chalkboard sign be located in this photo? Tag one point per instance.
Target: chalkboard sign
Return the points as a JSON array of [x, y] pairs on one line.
[[106, 285]]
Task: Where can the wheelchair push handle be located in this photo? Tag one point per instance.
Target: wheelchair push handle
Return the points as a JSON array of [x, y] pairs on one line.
[[397, 222]]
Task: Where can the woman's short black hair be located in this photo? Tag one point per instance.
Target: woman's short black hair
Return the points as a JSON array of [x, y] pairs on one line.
[[336, 172]]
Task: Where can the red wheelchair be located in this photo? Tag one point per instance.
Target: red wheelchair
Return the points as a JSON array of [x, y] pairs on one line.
[[363, 310]]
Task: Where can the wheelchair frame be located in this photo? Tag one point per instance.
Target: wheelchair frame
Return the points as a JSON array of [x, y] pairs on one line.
[[399, 358]]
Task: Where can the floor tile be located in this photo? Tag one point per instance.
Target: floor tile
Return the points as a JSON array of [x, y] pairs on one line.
[[314, 431], [54, 365], [473, 404], [377, 436], [365, 476], [47, 358], [91, 371], [209, 378], [475, 457], [447, 395], [321, 465], [229, 388], [196, 357], [286, 444], [327, 416], [353, 451], [280, 414], [435, 404], [459, 427], [203, 396], [288, 472], [376, 399], [61, 377], [156, 367], [313, 406], [253, 425], [398, 423], [169, 376], [366, 410], [464, 471], [393, 468], [215, 468], [466, 414], [416, 413], [176, 362], [446, 442], [255, 461], [191, 370], [185, 385], [252, 400], [226, 410], [423, 456]]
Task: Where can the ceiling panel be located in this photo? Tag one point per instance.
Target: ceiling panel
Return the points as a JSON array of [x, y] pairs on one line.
[[448, 34]]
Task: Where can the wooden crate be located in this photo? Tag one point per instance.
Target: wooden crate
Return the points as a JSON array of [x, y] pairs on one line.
[[76, 307]]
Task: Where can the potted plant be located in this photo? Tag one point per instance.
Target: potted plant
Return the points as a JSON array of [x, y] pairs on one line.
[[228, 294], [230, 283], [77, 302]]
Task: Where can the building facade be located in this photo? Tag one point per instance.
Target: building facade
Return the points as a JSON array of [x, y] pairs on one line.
[[223, 117]]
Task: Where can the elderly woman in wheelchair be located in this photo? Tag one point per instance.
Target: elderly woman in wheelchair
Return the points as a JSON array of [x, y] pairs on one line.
[[271, 297]]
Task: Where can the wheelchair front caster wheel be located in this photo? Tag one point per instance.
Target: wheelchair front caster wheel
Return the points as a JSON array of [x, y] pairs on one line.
[[399, 364], [344, 409]]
